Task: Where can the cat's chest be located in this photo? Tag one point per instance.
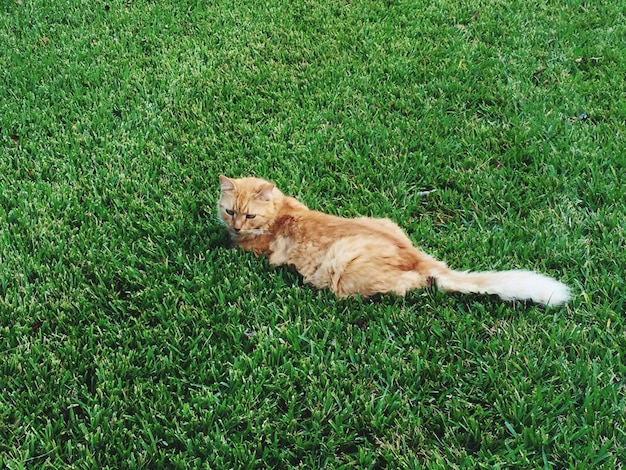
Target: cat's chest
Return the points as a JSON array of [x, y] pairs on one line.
[[280, 249]]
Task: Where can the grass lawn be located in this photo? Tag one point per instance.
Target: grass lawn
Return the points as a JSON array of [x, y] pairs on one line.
[[132, 336]]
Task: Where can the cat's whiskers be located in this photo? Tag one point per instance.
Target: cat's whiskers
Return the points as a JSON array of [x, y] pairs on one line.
[[248, 232]]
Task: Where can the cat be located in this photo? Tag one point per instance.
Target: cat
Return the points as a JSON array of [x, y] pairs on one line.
[[361, 256]]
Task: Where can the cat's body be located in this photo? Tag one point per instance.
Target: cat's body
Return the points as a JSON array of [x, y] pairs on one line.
[[363, 256]]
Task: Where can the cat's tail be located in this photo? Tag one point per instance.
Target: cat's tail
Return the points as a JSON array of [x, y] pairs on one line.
[[508, 285]]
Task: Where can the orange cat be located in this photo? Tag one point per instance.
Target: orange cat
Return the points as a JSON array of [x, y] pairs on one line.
[[356, 256]]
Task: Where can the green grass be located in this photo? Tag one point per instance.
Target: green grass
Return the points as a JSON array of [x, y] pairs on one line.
[[131, 336]]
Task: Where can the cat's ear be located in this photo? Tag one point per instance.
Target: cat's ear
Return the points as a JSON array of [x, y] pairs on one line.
[[265, 192], [226, 183]]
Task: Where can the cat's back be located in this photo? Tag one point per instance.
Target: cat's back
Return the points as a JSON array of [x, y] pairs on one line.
[[319, 228]]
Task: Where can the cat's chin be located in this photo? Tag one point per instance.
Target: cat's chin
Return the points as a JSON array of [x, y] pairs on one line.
[[247, 234]]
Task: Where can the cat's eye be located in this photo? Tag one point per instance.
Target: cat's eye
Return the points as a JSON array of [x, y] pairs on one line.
[[250, 216], [230, 211]]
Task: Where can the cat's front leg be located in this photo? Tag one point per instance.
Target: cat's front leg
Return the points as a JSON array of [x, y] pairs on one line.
[[258, 245]]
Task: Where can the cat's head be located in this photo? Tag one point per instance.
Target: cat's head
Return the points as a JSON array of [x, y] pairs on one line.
[[248, 206]]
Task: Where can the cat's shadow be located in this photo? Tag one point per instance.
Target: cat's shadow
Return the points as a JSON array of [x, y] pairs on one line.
[[215, 236], [220, 239]]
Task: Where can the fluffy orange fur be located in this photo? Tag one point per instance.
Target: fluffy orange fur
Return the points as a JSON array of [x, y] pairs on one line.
[[363, 255]]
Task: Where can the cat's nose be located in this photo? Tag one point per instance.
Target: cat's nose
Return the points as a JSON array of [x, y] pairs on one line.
[[236, 229]]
